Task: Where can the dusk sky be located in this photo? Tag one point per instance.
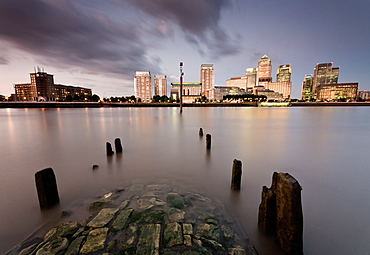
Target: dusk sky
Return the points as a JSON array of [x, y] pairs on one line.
[[100, 44]]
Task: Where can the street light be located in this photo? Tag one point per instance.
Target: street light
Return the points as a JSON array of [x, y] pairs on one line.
[[181, 74]]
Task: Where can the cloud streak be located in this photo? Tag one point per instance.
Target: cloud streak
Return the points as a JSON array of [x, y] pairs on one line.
[[198, 19], [64, 34]]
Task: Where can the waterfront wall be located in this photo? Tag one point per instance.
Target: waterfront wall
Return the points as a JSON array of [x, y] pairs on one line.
[[97, 104]]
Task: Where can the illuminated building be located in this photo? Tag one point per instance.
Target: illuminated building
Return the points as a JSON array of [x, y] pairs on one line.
[[160, 85], [282, 87], [307, 86], [207, 78], [251, 74], [283, 73], [143, 86], [190, 91], [62, 91], [240, 82], [42, 88], [324, 73], [264, 71], [25, 92], [364, 95], [258, 80], [246, 82], [339, 91], [220, 91]]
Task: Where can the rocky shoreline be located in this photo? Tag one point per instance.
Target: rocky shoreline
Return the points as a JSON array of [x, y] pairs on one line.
[[145, 219]]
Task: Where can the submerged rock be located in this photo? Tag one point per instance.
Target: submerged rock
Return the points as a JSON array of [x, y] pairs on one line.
[[121, 219], [208, 231], [103, 218], [176, 215], [54, 246], [174, 226], [62, 230], [128, 238], [172, 235], [95, 240], [148, 243], [177, 201], [74, 247]]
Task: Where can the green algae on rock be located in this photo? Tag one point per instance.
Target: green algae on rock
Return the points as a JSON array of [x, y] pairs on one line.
[[171, 225]]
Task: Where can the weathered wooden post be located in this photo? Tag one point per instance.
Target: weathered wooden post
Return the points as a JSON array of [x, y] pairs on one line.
[[201, 132], [280, 212], [118, 144], [46, 186], [109, 149], [208, 141], [236, 175]]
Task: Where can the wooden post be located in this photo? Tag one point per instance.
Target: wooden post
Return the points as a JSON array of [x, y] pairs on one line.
[[208, 141], [109, 149], [236, 175], [118, 144], [280, 212], [201, 132], [180, 94], [46, 186]]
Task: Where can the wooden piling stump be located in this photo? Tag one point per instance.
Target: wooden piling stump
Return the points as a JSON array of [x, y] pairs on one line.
[[109, 149], [236, 175], [208, 141], [46, 186], [201, 132], [118, 145]]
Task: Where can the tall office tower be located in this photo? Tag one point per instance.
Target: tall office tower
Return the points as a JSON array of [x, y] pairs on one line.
[[160, 85], [324, 74], [264, 71], [44, 84], [207, 78], [142, 86], [251, 74], [283, 73], [307, 86]]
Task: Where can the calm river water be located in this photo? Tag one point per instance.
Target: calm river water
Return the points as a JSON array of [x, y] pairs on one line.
[[326, 149]]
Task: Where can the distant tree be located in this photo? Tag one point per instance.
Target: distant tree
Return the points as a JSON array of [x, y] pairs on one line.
[[76, 97], [114, 99], [69, 98], [156, 99], [164, 99], [133, 98], [95, 98]]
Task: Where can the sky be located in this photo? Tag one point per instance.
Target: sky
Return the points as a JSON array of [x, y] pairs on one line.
[[100, 44]]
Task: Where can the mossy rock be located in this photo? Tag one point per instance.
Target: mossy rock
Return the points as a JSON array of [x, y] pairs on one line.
[[148, 217], [177, 201]]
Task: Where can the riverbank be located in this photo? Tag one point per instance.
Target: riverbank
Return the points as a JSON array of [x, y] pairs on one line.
[[100, 104]]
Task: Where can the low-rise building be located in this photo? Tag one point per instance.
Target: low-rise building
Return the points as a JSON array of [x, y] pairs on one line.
[[42, 88], [364, 95], [219, 92], [190, 91], [338, 91]]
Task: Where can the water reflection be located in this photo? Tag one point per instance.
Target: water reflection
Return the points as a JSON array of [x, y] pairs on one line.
[[324, 148]]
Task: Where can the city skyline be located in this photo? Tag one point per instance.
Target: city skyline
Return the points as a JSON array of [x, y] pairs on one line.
[[101, 45]]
